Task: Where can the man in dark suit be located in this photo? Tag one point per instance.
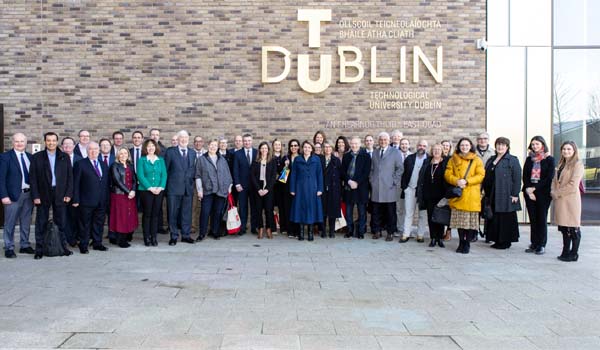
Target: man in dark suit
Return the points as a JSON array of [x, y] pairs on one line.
[[180, 163], [356, 166], [72, 221], [137, 139], [84, 141], [117, 139], [15, 194], [242, 161], [51, 177], [90, 195], [106, 155]]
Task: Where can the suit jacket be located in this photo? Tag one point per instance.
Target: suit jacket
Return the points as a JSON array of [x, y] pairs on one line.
[[10, 175], [40, 175], [386, 173], [241, 168], [362, 168], [76, 158], [88, 189], [229, 156], [270, 175], [409, 165], [180, 174], [132, 155], [111, 158], [77, 151]]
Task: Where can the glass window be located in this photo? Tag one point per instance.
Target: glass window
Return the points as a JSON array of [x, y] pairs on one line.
[[576, 116], [576, 22]]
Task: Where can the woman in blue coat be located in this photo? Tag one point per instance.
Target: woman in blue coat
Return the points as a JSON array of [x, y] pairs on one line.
[[306, 187]]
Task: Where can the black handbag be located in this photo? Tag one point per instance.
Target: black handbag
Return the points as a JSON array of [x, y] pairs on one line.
[[441, 215], [455, 191]]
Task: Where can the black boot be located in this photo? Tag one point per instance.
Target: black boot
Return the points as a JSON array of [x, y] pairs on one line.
[[301, 233], [322, 229], [564, 255], [461, 244], [122, 239], [576, 239], [311, 236], [467, 246]]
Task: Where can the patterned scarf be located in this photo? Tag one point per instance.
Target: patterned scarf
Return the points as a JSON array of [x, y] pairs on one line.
[[536, 169]]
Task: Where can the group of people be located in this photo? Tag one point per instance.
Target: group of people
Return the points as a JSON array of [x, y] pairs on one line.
[[309, 189]]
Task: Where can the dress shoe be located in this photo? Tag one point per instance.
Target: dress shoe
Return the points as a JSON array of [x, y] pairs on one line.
[[348, 235], [200, 239], [540, 251], [172, 241], [112, 241], [531, 249], [432, 243], [162, 231], [100, 248], [361, 236], [441, 243], [216, 237], [403, 239], [475, 238], [420, 240], [331, 235], [376, 235], [389, 237], [154, 242], [323, 234], [27, 250], [38, 256], [187, 240], [73, 244], [84, 251], [10, 254], [241, 233], [67, 252], [124, 244]]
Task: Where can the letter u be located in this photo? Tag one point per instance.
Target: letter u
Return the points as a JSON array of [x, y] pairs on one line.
[[314, 86]]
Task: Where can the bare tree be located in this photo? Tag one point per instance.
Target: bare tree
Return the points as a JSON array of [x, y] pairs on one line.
[[562, 102], [594, 110]]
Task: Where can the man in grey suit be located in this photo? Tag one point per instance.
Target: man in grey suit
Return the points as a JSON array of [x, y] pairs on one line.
[[386, 173], [180, 161]]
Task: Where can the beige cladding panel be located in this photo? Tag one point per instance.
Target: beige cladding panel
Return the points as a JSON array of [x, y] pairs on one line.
[[127, 65]]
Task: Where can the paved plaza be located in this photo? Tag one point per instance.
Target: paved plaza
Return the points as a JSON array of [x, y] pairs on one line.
[[244, 293]]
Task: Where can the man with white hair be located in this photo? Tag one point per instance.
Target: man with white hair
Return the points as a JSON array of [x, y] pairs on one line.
[[91, 196], [412, 168], [180, 163], [16, 195], [386, 173]]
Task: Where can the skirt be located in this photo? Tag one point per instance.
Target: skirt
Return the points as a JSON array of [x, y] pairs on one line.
[[123, 213], [466, 220], [503, 228]]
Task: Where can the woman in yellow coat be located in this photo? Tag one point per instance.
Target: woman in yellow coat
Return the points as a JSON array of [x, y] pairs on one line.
[[567, 200], [465, 209]]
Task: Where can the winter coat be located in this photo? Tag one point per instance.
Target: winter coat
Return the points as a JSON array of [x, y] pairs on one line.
[[471, 194], [506, 183], [306, 179], [566, 195], [386, 174]]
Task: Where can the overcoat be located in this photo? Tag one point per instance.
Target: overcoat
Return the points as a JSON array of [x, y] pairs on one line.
[[306, 179], [566, 195], [471, 194], [386, 174], [507, 183], [332, 184]]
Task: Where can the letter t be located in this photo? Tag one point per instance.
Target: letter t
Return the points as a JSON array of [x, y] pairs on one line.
[[314, 19]]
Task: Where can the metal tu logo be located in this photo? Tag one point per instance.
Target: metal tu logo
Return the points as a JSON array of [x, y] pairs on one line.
[[314, 18]]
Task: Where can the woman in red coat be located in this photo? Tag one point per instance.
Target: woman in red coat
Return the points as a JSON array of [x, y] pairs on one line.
[[123, 209]]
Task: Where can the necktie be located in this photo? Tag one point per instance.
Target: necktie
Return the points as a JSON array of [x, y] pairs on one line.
[[248, 157], [106, 160], [96, 168], [137, 157], [381, 154], [25, 171]]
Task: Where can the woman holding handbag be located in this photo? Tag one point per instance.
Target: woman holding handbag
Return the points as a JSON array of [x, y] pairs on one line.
[[332, 184], [538, 172], [502, 185], [213, 184], [567, 200], [431, 188], [284, 213], [465, 173], [263, 174]]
